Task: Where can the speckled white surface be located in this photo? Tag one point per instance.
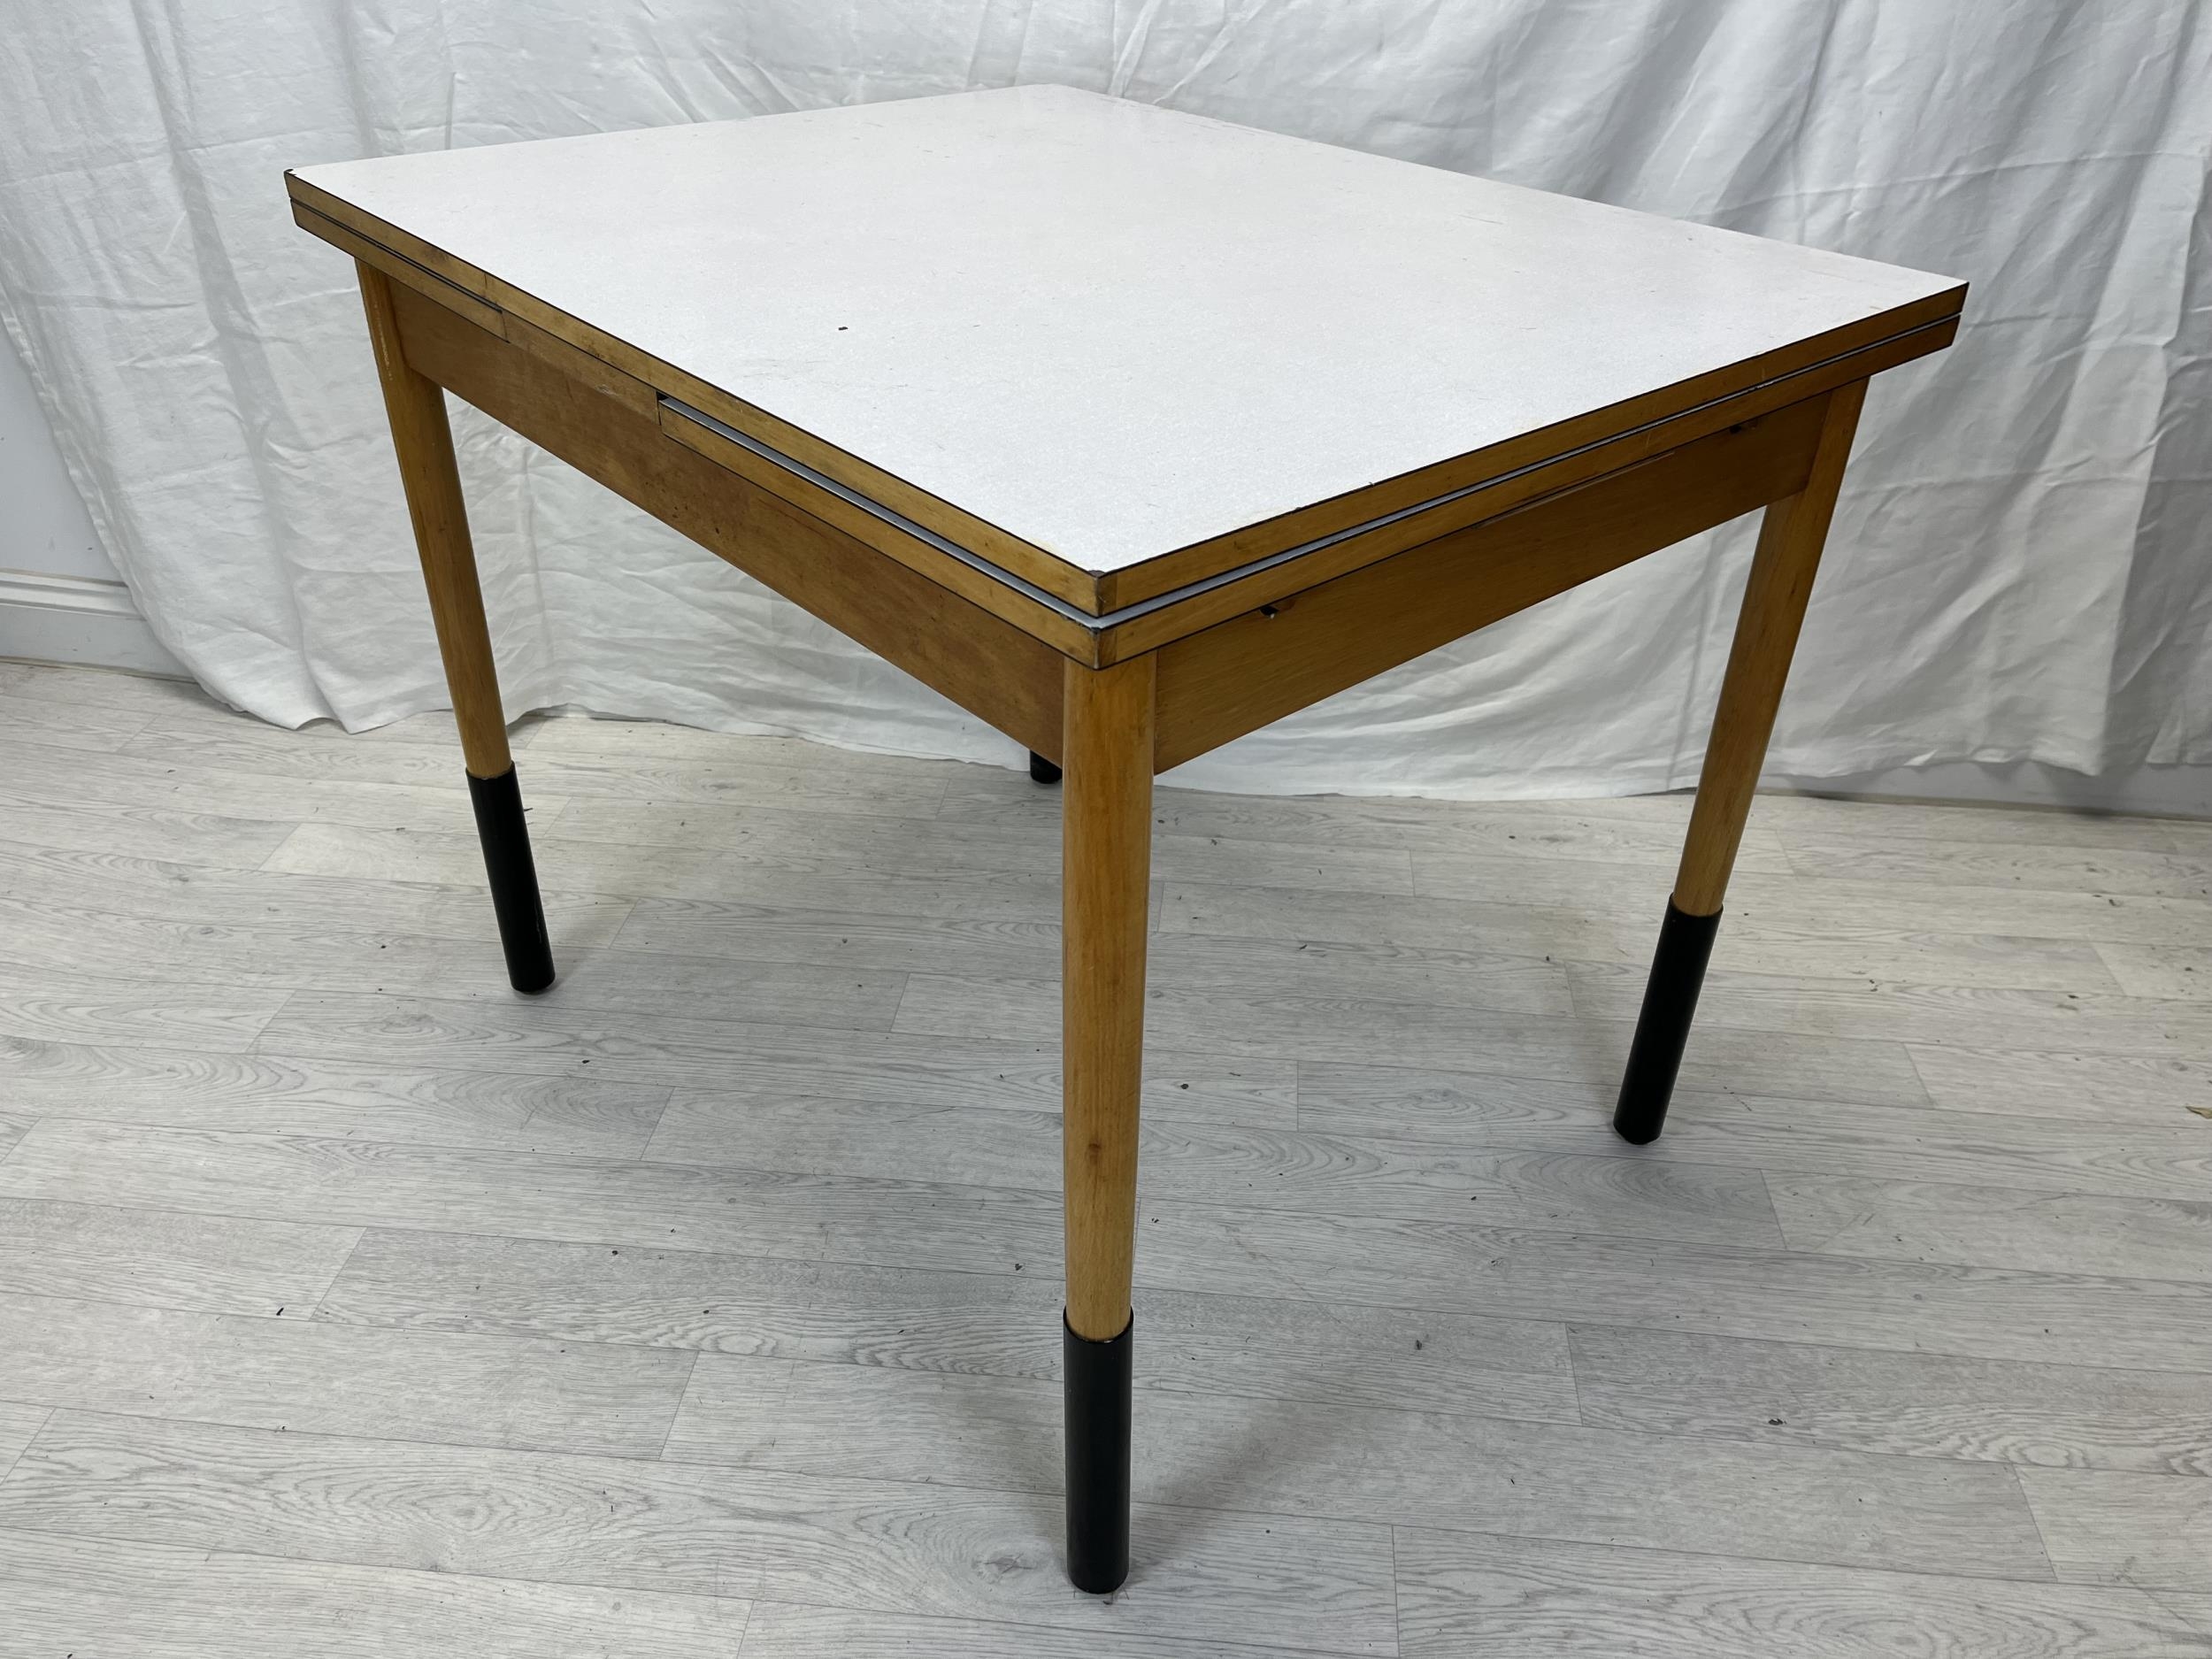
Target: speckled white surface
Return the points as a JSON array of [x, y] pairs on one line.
[[1110, 329]]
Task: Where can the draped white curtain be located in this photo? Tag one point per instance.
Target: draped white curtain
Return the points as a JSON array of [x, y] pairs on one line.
[[2021, 567]]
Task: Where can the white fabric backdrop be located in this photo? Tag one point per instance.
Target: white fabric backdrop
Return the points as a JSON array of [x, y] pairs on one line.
[[2020, 567]]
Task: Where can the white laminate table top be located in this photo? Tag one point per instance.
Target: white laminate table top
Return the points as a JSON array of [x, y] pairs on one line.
[[1108, 329]]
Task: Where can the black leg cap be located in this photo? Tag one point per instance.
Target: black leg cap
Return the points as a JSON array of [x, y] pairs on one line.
[[513, 875], [1041, 770], [1098, 1377], [1662, 1029]]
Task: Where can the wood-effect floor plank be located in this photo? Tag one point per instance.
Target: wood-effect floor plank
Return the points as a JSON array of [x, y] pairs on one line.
[[1964, 1044], [619, 1523], [60, 777], [2064, 1083], [1532, 1480], [1020, 1073], [83, 727], [359, 762], [2152, 1531], [779, 1629], [217, 1264], [1914, 1405], [291, 1373], [2182, 972], [1796, 813], [1001, 949], [704, 866], [1839, 1137], [1349, 1032], [312, 754], [1644, 829], [136, 829], [2085, 1021], [1997, 1226], [85, 1596], [153, 889], [1461, 1594], [1568, 929], [1190, 1162], [908, 1319], [853, 841], [302, 1179], [1829, 903], [103, 1251], [1859, 856], [52, 1005], [266, 1094], [1978, 1312], [304, 956], [20, 1424]]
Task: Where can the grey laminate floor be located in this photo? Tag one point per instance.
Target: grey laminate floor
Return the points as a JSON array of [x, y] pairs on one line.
[[349, 1305]]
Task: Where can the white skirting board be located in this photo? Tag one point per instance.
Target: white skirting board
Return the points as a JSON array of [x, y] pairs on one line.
[[49, 618]]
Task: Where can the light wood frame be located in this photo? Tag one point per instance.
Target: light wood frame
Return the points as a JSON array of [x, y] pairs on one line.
[[1137, 674]]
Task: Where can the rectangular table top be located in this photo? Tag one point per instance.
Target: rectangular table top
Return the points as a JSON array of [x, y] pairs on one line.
[[1111, 348]]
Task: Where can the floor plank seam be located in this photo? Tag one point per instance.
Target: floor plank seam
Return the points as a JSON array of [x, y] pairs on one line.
[[645, 1146], [2042, 1541], [276, 1013], [9, 1468], [921, 1491], [1341, 1518], [1433, 1308], [315, 1314], [1676, 1327], [676, 1409]]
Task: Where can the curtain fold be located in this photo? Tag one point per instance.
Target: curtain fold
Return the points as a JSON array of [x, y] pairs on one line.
[[2020, 570]]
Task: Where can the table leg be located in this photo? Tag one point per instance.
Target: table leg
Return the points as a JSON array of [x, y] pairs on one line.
[[433, 482], [1790, 539], [1106, 841]]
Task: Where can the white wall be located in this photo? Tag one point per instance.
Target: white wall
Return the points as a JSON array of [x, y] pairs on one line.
[[43, 525], [61, 600]]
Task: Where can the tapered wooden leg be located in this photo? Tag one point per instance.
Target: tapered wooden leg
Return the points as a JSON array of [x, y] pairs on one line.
[[427, 470], [1106, 841], [1790, 541]]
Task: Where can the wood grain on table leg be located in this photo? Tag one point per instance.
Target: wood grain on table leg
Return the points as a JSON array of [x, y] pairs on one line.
[[1106, 873], [1791, 536], [423, 441]]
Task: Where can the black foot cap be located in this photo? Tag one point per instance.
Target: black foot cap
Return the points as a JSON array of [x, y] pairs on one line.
[[1041, 770], [514, 880], [1097, 1405], [1677, 973]]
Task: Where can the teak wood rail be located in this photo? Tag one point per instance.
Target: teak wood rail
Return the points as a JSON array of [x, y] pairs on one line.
[[1109, 676]]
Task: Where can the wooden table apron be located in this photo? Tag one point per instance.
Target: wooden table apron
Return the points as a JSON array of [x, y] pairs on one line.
[[1115, 697]]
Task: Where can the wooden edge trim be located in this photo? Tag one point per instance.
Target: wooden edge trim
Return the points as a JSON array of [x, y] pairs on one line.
[[1226, 598], [608, 381], [1257, 667], [988, 666], [889, 533], [1135, 583], [401, 270], [429, 256], [378, 241], [1100, 594], [1032, 564]]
